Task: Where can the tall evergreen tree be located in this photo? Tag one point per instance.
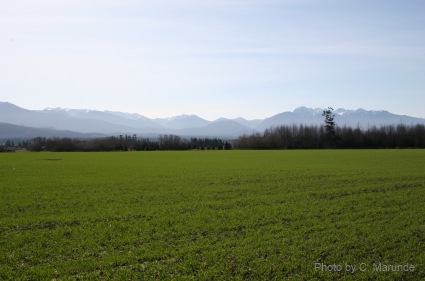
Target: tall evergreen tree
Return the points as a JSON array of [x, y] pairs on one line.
[[330, 126]]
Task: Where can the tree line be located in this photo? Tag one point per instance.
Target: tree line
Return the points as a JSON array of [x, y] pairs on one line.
[[126, 143], [332, 136], [281, 137]]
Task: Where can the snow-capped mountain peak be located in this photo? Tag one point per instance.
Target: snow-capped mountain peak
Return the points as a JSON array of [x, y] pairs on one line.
[[302, 110], [180, 117]]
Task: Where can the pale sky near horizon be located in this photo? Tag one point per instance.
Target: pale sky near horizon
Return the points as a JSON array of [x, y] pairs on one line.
[[250, 59]]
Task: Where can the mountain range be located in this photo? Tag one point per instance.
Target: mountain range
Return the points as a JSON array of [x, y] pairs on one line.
[[17, 122]]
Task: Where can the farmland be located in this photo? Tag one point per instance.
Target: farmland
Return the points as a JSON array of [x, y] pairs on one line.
[[212, 215]]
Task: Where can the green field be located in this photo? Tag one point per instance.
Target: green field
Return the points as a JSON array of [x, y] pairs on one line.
[[212, 215]]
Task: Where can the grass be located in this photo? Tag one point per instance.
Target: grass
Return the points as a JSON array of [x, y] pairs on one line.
[[212, 215]]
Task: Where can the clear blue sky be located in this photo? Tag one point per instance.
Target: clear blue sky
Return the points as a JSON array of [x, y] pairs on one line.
[[218, 58]]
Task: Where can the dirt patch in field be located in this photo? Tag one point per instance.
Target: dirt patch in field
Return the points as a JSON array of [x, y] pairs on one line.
[[51, 159]]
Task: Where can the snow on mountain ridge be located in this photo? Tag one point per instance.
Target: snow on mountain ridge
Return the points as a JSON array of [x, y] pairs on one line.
[[180, 117], [194, 120], [302, 110]]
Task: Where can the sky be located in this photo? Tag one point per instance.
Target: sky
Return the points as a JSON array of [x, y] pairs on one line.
[[213, 58]]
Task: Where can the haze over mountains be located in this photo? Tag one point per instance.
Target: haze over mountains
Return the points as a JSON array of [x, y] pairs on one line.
[[84, 123]]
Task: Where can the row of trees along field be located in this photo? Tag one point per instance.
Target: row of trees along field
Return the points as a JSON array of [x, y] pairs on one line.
[[125, 143], [13, 143], [332, 136]]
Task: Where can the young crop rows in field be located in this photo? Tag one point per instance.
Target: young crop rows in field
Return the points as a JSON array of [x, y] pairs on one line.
[[213, 215]]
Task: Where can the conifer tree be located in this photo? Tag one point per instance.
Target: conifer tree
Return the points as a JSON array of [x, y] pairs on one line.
[[330, 126]]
